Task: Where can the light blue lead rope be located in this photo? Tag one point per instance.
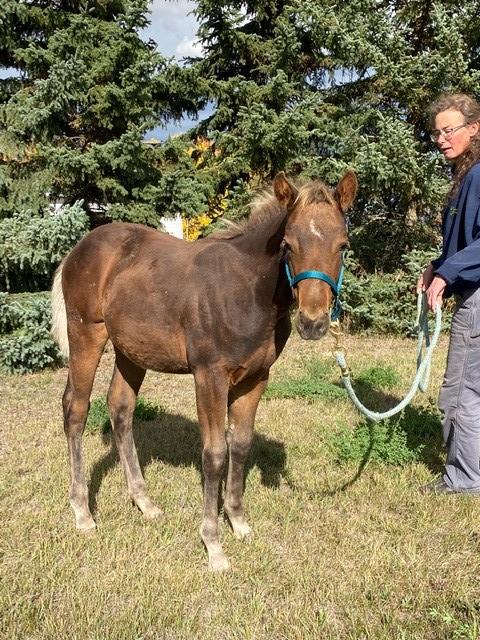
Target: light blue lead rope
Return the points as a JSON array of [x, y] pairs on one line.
[[423, 364]]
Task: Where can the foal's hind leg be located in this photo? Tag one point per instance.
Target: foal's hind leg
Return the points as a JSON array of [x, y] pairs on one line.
[[86, 347], [243, 403], [126, 381]]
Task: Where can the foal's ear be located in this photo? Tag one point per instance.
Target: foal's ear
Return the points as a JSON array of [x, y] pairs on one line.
[[346, 190], [284, 191]]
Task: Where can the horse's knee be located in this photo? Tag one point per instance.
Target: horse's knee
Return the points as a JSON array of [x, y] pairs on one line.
[[239, 445], [75, 415], [119, 411], [121, 414], [213, 460], [66, 399]]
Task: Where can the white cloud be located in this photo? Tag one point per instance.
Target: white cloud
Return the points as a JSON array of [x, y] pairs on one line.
[[173, 27], [188, 47], [9, 73]]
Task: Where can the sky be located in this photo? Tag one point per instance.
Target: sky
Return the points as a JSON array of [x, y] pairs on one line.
[[173, 28]]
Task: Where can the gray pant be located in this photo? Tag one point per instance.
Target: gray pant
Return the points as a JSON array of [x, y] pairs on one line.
[[459, 398]]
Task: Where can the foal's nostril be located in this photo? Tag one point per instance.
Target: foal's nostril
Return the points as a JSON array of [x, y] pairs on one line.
[[312, 328]]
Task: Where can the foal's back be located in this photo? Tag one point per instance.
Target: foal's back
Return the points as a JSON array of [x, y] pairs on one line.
[[165, 303]]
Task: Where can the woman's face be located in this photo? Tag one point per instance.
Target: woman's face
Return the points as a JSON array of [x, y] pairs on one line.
[[454, 136]]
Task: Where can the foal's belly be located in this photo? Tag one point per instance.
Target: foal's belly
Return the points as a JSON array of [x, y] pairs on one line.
[[144, 322], [150, 346]]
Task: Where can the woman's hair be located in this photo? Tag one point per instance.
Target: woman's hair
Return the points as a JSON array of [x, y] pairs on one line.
[[470, 108]]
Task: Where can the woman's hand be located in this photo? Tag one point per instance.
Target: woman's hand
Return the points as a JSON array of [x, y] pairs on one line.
[[425, 279], [435, 292]]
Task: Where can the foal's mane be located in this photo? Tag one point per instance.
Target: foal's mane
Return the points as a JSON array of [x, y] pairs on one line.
[[265, 209]]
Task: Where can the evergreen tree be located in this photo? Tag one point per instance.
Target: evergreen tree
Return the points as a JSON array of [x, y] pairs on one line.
[[313, 87], [82, 91], [72, 121]]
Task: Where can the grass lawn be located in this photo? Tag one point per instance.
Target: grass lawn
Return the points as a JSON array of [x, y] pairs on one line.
[[345, 546]]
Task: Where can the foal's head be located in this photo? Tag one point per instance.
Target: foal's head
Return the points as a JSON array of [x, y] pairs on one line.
[[315, 239]]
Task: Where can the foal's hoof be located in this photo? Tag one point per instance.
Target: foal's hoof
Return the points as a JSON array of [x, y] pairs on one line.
[[241, 528], [218, 563], [86, 525], [149, 510], [153, 513], [243, 532], [217, 560]]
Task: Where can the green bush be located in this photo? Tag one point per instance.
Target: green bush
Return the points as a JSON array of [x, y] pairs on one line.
[[385, 302], [31, 246], [22, 308], [378, 376], [412, 436], [303, 388], [25, 341], [98, 418], [310, 386], [379, 442]]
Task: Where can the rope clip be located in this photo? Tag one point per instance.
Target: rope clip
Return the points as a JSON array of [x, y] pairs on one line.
[[337, 333]]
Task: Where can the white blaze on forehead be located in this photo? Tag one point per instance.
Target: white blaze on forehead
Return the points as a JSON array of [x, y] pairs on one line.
[[315, 231]]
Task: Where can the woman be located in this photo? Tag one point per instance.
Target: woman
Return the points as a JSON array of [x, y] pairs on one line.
[[455, 121]]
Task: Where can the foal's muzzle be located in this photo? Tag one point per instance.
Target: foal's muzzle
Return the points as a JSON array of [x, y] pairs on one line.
[[335, 288], [312, 328]]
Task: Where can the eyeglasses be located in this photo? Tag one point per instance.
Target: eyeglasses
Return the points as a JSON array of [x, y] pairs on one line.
[[447, 132]]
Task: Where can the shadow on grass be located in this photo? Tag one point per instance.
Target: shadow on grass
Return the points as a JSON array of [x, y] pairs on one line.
[[175, 440]]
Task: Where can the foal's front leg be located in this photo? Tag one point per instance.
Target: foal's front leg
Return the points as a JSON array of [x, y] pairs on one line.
[[211, 389], [242, 407]]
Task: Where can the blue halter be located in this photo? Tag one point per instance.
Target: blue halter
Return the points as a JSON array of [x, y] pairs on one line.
[[319, 275]]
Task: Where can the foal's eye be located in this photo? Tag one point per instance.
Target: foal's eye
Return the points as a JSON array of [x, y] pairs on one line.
[[344, 247]]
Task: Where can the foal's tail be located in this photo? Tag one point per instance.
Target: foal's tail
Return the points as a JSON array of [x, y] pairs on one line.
[[59, 314]]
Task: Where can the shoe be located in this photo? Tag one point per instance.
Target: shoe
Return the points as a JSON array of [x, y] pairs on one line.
[[438, 486]]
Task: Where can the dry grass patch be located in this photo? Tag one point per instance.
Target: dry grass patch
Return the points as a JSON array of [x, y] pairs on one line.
[[344, 548]]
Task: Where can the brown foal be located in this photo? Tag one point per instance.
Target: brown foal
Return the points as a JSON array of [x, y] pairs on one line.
[[217, 308]]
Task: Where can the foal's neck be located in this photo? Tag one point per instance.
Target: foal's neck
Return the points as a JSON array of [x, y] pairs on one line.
[[261, 243], [263, 235]]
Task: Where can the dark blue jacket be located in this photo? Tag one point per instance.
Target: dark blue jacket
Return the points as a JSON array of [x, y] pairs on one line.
[[459, 263]]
